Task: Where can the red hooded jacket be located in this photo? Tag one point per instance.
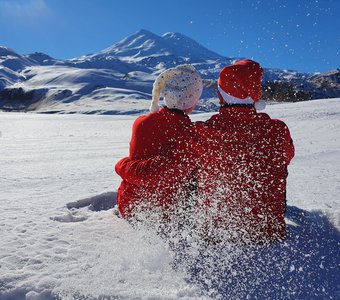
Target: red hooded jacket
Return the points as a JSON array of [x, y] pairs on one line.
[[242, 174], [152, 176]]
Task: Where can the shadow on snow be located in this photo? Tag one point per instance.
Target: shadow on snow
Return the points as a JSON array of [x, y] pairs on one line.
[[304, 266]]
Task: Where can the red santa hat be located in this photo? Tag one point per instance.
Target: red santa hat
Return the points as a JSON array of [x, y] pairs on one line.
[[180, 87], [240, 83]]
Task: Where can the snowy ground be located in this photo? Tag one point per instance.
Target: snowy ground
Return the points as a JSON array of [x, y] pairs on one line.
[[47, 251]]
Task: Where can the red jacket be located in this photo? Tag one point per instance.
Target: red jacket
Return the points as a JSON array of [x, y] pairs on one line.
[[241, 168], [153, 138], [242, 174]]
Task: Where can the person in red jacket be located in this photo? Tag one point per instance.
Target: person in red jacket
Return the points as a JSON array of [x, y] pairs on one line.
[[243, 169], [154, 135]]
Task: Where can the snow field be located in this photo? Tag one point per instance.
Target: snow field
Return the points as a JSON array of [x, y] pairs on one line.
[[47, 251]]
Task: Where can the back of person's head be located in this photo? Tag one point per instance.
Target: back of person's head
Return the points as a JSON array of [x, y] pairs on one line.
[[240, 83], [180, 87]]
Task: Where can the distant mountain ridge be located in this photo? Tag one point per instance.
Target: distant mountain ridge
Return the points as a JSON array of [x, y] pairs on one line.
[[118, 79]]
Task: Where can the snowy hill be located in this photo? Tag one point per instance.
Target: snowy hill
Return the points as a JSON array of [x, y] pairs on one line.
[[70, 89], [8, 77], [14, 61], [49, 251], [84, 84]]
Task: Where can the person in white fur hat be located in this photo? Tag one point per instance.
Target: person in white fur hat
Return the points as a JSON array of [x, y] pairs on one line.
[[155, 134]]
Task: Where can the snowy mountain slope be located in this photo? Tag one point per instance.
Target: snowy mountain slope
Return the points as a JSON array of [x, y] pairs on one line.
[[43, 59], [13, 60], [326, 83], [143, 53], [9, 77], [69, 89], [16, 62], [284, 75], [46, 250]]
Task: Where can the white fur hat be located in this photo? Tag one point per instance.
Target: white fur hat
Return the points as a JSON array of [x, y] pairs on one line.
[[181, 87]]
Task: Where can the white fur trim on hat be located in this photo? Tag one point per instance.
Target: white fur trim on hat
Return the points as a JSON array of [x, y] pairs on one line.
[[229, 99], [259, 105], [180, 87]]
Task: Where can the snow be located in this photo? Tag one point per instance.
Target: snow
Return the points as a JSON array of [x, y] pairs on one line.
[[47, 161]]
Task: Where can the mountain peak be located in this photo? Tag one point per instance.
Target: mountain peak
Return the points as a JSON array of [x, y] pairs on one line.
[[143, 31], [187, 47], [4, 51], [139, 44], [39, 55]]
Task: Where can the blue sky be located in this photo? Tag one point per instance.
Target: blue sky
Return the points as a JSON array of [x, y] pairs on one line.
[[288, 34]]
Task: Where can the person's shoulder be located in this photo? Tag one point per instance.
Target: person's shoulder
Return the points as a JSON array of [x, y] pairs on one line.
[[274, 122], [279, 123], [263, 116], [212, 119], [142, 123], [199, 124], [279, 128], [144, 119]]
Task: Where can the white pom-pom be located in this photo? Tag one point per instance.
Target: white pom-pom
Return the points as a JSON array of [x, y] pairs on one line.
[[260, 105]]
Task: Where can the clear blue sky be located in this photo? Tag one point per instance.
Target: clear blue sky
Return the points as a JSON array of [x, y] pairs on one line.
[[293, 34]]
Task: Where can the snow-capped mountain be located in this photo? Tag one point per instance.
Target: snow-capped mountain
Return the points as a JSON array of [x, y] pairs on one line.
[[119, 78], [148, 52]]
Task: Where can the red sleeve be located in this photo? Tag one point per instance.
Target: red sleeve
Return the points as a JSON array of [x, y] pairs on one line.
[[137, 171], [289, 150], [138, 137], [288, 145], [176, 166]]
